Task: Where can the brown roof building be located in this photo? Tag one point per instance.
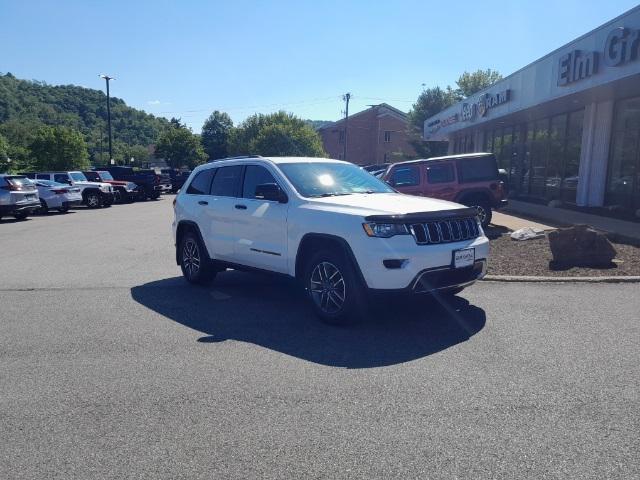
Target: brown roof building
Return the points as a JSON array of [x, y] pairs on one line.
[[375, 135]]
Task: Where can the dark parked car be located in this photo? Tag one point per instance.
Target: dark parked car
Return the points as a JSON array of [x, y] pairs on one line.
[[471, 179], [150, 184], [178, 177], [124, 191]]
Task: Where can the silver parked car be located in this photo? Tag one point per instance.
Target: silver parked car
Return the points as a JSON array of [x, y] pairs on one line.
[[18, 196]]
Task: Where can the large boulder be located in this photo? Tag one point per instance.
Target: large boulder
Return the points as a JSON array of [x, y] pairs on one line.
[[580, 246]]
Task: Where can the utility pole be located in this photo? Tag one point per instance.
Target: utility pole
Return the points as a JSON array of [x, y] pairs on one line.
[[107, 78], [346, 97]]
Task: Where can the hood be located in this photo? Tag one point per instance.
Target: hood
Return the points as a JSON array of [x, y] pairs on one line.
[[383, 204]]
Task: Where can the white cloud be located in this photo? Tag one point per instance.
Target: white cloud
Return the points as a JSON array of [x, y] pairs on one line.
[[154, 102]]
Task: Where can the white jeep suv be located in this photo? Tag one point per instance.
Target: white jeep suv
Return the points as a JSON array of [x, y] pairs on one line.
[[334, 227]]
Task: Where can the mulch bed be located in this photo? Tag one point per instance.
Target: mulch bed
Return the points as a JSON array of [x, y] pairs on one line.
[[532, 258]]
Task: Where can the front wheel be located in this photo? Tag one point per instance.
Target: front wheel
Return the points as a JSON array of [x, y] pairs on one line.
[[43, 207], [93, 200], [154, 195], [333, 288], [194, 260], [64, 209], [20, 215]]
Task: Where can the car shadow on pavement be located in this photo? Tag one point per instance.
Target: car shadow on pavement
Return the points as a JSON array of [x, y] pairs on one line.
[[272, 312]]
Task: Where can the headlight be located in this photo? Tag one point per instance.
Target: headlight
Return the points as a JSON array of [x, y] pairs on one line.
[[130, 187], [104, 188], [385, 230]]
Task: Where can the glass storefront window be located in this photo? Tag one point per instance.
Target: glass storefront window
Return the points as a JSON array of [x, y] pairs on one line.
[[555, 160], [572, 157]]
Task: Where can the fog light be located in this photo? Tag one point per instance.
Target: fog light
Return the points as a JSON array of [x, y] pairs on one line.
[[394, 262]]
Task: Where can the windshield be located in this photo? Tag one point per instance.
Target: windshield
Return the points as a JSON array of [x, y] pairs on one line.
[[106, 176], [78, 177], [317, 179]]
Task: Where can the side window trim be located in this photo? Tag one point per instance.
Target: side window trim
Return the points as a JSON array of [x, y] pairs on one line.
[[205, 171]]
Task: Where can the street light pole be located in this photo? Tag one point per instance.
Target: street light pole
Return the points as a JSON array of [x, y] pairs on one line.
[[107, 78]]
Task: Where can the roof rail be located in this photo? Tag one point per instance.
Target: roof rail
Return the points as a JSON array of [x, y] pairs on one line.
[[234, 158]]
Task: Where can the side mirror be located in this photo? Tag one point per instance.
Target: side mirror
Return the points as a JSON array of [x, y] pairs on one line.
[[271, 192]]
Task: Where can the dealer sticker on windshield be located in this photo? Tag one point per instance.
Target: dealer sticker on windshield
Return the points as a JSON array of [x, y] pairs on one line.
[[464, 258]]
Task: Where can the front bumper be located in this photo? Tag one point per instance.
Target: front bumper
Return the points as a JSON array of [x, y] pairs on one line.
[[370, 253]]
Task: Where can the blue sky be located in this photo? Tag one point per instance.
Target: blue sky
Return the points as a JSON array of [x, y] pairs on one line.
[[188, 58]]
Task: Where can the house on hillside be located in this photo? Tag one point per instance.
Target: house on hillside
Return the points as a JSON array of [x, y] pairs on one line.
[[375, 135]]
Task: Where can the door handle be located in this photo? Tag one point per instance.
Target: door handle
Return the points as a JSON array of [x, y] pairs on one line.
[[241, 207], [203, 202]]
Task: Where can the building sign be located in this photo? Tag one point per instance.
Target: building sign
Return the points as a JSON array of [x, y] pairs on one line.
[[483, 104], [621, 47], [437, 124]]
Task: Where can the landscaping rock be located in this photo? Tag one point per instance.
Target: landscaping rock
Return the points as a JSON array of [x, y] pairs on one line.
[[580, 246]]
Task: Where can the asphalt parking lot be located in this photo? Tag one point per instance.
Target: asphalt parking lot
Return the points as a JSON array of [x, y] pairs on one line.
[[112, 367]]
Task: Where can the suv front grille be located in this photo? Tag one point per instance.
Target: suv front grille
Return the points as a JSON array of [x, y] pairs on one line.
[[445, 231]]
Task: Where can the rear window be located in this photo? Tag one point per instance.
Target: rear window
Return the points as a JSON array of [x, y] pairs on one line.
[[18, 180], [477, 169]]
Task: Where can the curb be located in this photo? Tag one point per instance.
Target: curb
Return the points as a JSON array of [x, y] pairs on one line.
[[531, 279]]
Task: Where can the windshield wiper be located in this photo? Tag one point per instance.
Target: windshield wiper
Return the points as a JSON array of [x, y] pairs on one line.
[[334, 194]]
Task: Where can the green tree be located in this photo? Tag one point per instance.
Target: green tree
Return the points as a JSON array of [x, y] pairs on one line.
[[180, 147], [4, 155], [429, 103], [277, 133], [58, 148], [470, 83], [215, 133]]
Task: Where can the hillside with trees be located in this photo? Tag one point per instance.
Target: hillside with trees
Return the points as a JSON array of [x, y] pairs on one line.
[[26, 106]]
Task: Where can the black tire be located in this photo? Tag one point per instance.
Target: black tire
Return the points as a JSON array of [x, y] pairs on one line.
[[334, 290], [44, 208], [93, 200], [194, 261], [154, 195], [483, 207], [20, 215], [64, 209]]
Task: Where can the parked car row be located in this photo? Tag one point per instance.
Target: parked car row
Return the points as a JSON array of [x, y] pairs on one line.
[[28, 192]]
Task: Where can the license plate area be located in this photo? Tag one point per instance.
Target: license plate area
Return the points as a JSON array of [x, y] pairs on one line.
[[464, 258]]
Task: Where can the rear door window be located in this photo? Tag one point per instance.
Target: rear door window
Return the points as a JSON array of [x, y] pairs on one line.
[[477, 169], [43, 176], [226, 182], [201, 184], [408, 176], [440, 173]]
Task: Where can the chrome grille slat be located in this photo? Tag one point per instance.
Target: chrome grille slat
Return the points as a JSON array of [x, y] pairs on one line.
[[448, 230]]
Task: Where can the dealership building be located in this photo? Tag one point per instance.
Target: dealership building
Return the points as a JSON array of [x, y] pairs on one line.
[[567, 126]]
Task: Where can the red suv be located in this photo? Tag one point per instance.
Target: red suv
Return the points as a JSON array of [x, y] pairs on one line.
[[470, 179]]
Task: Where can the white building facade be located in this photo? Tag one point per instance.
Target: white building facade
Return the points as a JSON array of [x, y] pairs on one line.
[[567, 126]]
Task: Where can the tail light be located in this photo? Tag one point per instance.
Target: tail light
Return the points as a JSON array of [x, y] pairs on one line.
[[157, 179], [60, 191]]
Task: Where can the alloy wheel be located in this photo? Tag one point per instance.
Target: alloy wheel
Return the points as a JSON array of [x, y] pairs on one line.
[[482, 213], [93, 201], [191, 258], [327, 288]]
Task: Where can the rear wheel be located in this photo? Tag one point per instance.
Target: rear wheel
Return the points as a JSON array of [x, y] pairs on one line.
[[194, 260], [64, 209], [43, 206], [20, 215], [93, 200], [333, 288]]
